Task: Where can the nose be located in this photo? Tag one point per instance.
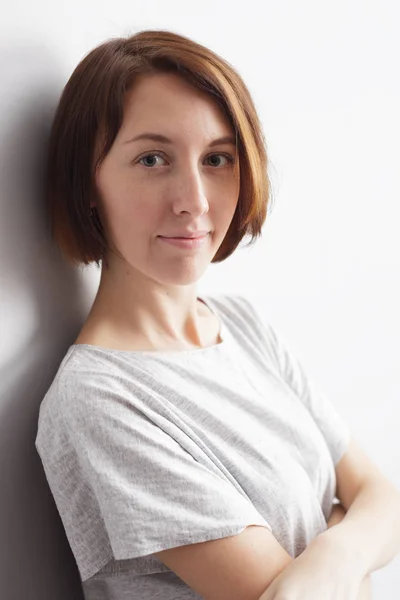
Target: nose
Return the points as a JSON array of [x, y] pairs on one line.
[[188, 191]]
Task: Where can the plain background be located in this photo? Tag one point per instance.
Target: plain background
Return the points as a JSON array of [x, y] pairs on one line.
[[325, 80]]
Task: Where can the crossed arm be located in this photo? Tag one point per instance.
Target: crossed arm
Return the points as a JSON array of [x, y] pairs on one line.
[[372, 528], [362, 535], [337, 515]]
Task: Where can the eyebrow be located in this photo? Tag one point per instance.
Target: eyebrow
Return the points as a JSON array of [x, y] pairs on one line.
[[156, 137]]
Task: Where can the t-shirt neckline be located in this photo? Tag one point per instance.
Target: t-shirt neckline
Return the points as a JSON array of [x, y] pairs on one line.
[[222, 334]]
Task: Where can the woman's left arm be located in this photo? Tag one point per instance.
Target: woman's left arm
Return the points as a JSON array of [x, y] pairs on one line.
[[337, 561], [337, 515], [370, 531]]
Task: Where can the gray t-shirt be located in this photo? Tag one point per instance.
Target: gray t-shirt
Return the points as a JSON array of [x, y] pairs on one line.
[[145, 451]]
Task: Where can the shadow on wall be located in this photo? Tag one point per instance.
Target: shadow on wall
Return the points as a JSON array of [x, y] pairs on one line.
[[43, 305]]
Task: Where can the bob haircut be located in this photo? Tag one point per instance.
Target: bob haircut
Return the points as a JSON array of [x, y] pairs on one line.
[[90, 113]]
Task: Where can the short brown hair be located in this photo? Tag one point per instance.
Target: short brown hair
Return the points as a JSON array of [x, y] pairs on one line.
[[91, 108]]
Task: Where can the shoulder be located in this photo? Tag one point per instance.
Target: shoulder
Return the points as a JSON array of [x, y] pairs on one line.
[[72, 390], [241, 306], [248, 313]]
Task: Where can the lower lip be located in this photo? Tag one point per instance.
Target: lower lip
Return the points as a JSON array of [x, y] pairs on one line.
[[185, 242]]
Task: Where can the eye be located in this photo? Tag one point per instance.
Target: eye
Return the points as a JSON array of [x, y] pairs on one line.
[[228, 157], [147, 156], [152, 155]]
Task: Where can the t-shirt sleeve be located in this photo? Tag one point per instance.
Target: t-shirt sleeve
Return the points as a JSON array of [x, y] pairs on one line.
[[151, 492], [332, 425]]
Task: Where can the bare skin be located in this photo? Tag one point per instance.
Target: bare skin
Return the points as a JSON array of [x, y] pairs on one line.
[[337, 515], [169, 173]]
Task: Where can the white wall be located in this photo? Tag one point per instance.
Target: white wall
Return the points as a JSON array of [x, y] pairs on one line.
[[325, 79]]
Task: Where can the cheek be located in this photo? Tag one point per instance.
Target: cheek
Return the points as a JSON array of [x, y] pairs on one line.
[[137, 220], [129, 200], [229, 190]]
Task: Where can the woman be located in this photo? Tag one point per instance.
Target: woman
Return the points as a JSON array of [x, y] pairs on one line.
[[187, 451]]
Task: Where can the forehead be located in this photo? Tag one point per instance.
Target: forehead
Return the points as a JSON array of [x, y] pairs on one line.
[[166, 101]]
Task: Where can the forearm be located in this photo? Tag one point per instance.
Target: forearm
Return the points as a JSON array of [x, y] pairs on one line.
[[369, 533], [337, 515], [321, 566]]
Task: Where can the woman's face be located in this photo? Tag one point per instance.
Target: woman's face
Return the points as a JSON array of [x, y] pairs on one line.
[[151, 187]]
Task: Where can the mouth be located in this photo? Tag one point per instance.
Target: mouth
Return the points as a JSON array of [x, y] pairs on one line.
[[193, 236], [186, 237], [185, 242]]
